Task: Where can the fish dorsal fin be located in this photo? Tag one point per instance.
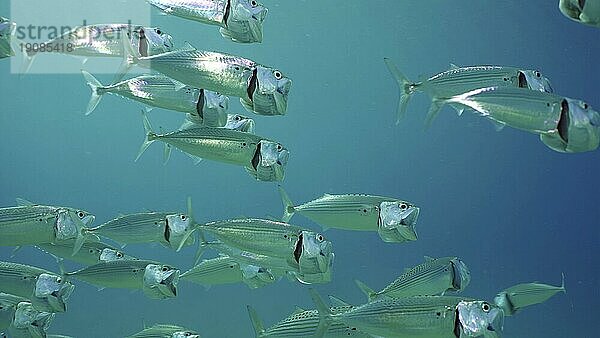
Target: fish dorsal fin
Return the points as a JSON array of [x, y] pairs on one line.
[[453, 66], [298, 310], [429, 259], [23, 202], [334, 301]]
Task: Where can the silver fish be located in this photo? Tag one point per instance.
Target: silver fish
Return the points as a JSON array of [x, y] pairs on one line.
[[29, 223], [226, 270], [170, 229], [7, 32], [158, 281], [106, 40], [240, 20], [393, 219], [434, 277], [165, 331], [261, 89], [269, 162], [222, 145], [583, 11], [421, 316], [91, 252], [46, 290], [459, 80], [565, 125], [303, 323], [29, 322], [160, 91], [517, 297]]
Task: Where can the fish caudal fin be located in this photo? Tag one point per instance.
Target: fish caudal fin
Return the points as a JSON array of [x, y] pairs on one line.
[[562, 283], [129, 58], [405, 86], [434, 109], [150, 135], [288, 206], [370, 293], [94, 85], [257, 323], [325, 314]]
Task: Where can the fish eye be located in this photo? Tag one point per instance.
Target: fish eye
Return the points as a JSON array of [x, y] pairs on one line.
[[80, 214], [119, 255], [165, 268], [320, 238], [403, 206], [538, 74], [59, 280], [237, 118], [585, 105], [485, 307], [158, 31], [277, 75], [279, 147], [183, 217], [254, 3]]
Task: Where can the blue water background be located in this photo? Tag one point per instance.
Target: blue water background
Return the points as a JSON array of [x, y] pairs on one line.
[[512, 209]]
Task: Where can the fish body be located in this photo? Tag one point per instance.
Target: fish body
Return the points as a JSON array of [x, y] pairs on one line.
[[359, 212], [459, 80], [155, 279], [262, 90], [170, 229], [27, 321], [162, 92], [227, 270], [7, 31], [517, 297], [565, 124], [46, 290], [165, 331], [34, 224], [91, 252], [433, 277], [583, 11], [265, 237], [422, 316], [303, 323], [240, 20]]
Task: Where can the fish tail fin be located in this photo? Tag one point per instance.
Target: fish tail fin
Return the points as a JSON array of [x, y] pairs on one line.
[[434, 109], [130, 58], [150, 135], [562, 283], [370, 293], [257, 323], [288, 206], [325, 314], [405, 85], [96, 96], [202, 244]]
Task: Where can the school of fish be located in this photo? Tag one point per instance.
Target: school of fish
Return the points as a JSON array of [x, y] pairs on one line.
[[424, 301]]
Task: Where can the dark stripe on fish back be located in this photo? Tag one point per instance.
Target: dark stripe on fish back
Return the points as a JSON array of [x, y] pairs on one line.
[[200, 104], [256, 158], [563, 122], [298, 249], [523, 81], [253, 85], [143, 47], [227, 10]]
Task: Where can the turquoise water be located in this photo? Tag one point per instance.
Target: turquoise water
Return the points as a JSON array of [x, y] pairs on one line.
[[512, 209]]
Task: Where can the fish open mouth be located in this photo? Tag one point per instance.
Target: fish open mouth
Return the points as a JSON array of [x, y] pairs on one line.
[[457, 324], [200, 104], [257, 157], [167, 233], [523, 81], [298, 249], [227, 12], [252, 84], [564, 121], [143, 46]]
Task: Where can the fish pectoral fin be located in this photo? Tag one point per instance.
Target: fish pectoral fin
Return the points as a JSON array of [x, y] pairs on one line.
[[498, 126], [196, 159], [434, 109]]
